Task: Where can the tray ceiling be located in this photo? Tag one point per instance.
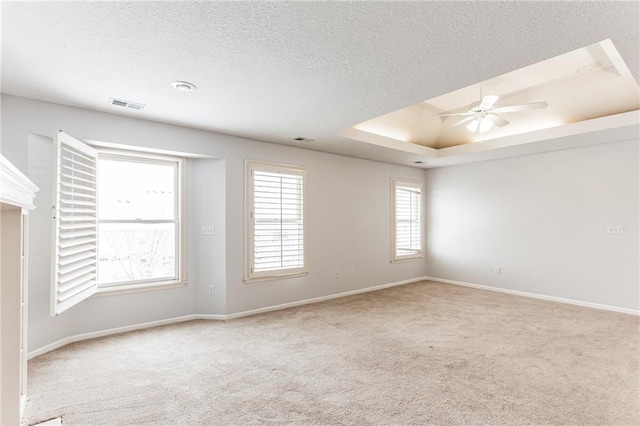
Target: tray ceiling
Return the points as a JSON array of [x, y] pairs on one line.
[[584, 84]]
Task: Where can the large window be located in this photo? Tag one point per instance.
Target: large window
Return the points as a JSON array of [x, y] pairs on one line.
[[407, 220], [118, 222], [138, 219], [275, 245]]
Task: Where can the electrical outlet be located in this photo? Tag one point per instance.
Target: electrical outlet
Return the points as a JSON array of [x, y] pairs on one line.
[[338, 274], [208, 230], [211, 289], [352, 272], [615, 229], [497, 270]]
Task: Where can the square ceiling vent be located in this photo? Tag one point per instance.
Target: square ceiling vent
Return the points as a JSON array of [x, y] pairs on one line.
[[126, 104]]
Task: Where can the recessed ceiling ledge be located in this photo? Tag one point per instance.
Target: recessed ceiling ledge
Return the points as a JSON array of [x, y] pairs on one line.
[[386, 142], [629, 119]]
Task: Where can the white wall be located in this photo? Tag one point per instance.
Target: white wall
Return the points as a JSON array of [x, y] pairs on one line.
[[348, 221], [543, 219], [208, 262]]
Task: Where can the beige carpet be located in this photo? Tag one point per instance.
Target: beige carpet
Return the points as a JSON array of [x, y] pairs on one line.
[[422, 353]]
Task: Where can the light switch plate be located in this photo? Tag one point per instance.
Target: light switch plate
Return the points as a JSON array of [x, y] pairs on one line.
[[208, 230]]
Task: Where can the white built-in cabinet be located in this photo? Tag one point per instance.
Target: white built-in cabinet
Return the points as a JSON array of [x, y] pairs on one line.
[[16, 199]]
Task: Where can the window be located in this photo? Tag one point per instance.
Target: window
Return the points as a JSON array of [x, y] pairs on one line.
[[407, 220], [138, 219], [275, 221], [118, 222]]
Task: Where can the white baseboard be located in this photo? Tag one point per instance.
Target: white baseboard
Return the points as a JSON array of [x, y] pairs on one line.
[[538, 296], [85, 336], [23, 403], [320, 299]]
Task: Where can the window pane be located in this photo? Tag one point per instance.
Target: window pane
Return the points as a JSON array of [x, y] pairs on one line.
[[278, 226], [131, 252], [278, 221], [408, 235], [278, 245], [131, 190]]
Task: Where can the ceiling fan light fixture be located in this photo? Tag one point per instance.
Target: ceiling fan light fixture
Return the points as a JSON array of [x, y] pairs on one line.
[[480, 125], [485, 125], [473, 126], [484, 116]]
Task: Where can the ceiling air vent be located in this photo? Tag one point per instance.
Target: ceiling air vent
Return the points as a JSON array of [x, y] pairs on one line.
[[126, 104], [301, 139]]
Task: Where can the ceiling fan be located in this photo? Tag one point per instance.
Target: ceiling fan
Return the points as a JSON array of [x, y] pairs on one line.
[[484, 116]]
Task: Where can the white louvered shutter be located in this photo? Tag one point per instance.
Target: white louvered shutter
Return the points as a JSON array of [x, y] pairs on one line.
[[408, 214], [75, 229], [277, 221]]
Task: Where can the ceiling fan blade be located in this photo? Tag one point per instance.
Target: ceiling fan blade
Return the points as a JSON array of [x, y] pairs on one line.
[[488, 101], [460, 123], [456, 113], [523, 107], [497, 120]]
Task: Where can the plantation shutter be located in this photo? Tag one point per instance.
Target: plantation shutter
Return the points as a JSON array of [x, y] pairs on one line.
[[75, 223], [277, 221], [408, 233]]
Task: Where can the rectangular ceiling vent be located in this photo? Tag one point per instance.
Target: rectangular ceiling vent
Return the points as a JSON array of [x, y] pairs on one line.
[[126, 104]]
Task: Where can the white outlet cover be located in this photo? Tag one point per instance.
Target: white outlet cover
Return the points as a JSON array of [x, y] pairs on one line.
[[615, 229]]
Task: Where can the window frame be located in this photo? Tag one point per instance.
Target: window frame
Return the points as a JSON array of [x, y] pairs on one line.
[[250, 274], [180, 187], [395, 258]]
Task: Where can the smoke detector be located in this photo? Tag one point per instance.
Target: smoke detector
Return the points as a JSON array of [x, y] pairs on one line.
[[126, 104], [184, 86]]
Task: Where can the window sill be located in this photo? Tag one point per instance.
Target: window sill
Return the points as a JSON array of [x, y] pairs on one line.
[[407, 259], [137, 288], [275, 277]]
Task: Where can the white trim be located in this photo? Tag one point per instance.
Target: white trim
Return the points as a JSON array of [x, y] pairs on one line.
[[115, 290], [275, 277], [92, 335], [180, 170], [23, 403], [15, 188], [137, 156], [616, 60], [395, 183], [538, 296], [53, 422], [251, 276], [146, 150], [320, 299], [217, 317], [210, 317]]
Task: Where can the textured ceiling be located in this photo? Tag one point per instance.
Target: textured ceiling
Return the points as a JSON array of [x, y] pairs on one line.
[[277, 70]]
